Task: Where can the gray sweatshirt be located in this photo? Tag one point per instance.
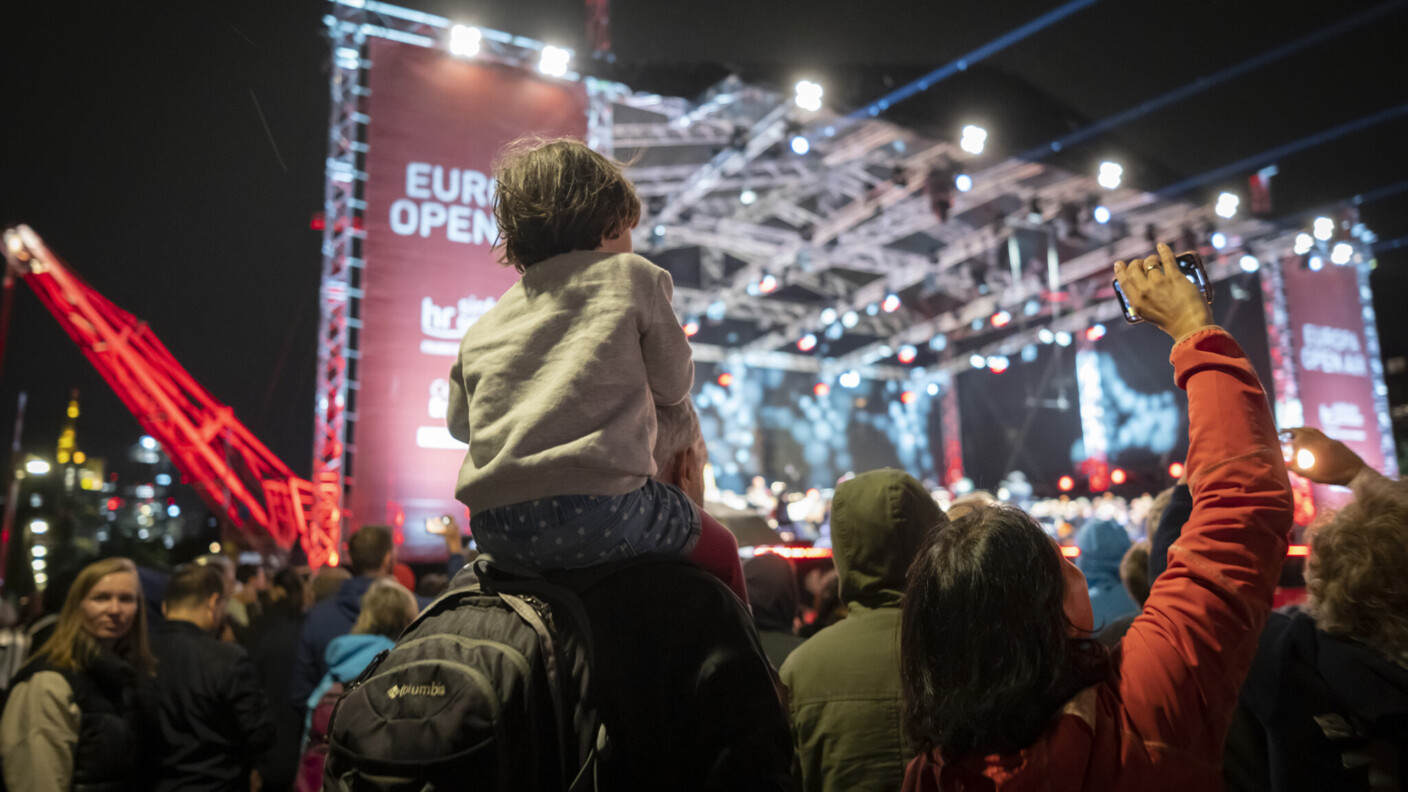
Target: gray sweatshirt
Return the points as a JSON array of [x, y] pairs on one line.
[[556, 386]]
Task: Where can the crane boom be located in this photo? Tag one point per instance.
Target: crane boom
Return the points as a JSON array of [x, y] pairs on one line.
[[232, 471]]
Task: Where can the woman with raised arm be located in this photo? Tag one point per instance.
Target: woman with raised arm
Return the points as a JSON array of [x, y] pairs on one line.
[[1006, 689], [80, 713]]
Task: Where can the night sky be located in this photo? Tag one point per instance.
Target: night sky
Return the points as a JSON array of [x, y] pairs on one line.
[[173, 152]]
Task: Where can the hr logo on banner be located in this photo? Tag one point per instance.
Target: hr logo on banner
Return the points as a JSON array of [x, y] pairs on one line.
[[447, 324], [457, 203]]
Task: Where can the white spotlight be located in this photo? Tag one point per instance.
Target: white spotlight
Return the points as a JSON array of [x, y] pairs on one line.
[[554, 61], [1110, 175], [465, 41], [849, 319], [1227, 204], [800, 145], [1341, 253], [1102, 215], [1063, 338], [1046, 336], [1249, 263], [38, 527], [747, 197], [808, 95], [828, 316], [973, 140], [977, 361], [1316, 263], [36, 467], [148, 442], [1324, 228], [1304, 243], [963, 182], [1219, 240], [851, 379], [932, 389]]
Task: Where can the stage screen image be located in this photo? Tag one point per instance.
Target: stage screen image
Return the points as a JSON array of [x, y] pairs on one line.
[[436, 124]]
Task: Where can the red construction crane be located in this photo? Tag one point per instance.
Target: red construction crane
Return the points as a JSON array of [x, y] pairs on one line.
[[234, 473]]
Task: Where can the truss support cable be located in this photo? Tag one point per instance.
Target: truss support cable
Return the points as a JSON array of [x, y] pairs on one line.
[[1210, 81], [1257, 160], [962, 63]]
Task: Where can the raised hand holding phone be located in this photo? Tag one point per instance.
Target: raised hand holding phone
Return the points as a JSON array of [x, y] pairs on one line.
[[1322, 459], [1158, 293]]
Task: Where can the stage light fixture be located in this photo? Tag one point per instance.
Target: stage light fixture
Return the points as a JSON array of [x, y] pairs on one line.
[[872, 309], [977, 324], [933, 389], [850, 319], [1249, 263], [998, 363], [821, 389], [716, 311], [1227, 204], [835, 331], [747, 197], [465, 41], [963, 182], [828, 316], [768, 284], [1001, 319], [974, 139], [1065, 483], [658, 231], [148, 442], [36, 467], [1304, 243], [1101, 215], [1342, 253], [40, 551], [1324, 228], [1031, 307], [1063, 338], [1118, 476], [1315, 263], [1218, 240], [939, 342], [1029, 353], [808, 96], [554, 61], [908, 397], [1045, 335], [1110, 174], [1175, 469], [725, 379], [1095, 332], [850, 379], [807, 342], [800, 145], [691, 328], [38, 527], [38, 564], [977, 361], [891, 303], [907, 354]]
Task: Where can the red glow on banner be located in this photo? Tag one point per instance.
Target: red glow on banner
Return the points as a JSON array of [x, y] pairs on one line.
[[436, 124], [787, 551]]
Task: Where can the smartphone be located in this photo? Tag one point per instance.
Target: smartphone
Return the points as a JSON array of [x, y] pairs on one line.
[[437, 525], [1288, 450], [1191, 265]]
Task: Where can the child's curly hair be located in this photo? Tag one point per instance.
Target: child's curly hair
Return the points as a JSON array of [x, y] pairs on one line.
[[556, 196]]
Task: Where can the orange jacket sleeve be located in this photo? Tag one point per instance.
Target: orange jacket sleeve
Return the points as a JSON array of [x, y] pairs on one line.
[[1184, 658]]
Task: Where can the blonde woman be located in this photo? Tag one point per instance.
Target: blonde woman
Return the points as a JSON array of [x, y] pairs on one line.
[[78, 714], [387, 609]]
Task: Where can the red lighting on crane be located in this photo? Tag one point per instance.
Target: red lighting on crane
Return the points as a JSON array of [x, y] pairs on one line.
[[788, 551]]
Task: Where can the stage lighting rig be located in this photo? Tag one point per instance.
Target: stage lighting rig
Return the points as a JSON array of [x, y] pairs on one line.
[[1109, 175], [808, 95], [1324, 229], [1227, 204], [974, 139], [1342, 253]]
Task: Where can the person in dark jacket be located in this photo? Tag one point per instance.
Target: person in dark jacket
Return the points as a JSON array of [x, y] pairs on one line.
[[214, 715], [844, 682], [273, 660], [1327, 696], [1103, 544], [77, 716], [373, 556], [772, 589]]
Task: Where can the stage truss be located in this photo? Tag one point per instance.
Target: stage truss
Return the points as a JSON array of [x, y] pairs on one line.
[[768, 246]]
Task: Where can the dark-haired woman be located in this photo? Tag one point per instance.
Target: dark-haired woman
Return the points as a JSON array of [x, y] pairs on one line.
[[77, 717], [1005, 689]]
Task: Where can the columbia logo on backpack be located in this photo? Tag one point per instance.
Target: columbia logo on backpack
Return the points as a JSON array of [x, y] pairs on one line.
[[489, 683]]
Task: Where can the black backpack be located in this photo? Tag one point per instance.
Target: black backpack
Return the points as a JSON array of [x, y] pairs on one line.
[[489, 687]]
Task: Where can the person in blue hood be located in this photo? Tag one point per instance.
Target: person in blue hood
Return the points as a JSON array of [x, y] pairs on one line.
[[387, 609], [1102, 545]]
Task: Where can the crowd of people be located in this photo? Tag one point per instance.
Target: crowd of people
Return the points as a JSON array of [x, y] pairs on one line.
[[949, 646]]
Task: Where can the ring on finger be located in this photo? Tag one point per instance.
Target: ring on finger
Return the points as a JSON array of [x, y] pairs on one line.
[[1148, 268]]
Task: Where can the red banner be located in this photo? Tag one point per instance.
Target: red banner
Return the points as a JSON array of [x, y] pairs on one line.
[[436, 124], [1333, 371]]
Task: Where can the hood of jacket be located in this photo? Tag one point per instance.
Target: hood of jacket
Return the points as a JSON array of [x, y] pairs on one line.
[[1102, 544], [348, 655], [878, 520]]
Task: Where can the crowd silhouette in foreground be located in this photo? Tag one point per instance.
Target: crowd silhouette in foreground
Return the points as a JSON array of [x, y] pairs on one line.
[[609, 638]]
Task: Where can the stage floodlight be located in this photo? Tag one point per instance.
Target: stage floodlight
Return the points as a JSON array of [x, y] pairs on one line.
[[977, 361], [1342, 253], [932, 389], [148, 442], [36, 467], [998, 363], [1227, 204], [1315, 263], [808, 96], [768, 284], [1094, 332], [1110, 175], [974, 139], [807, 342], [1324, 229], [1046, 336], [939, 342], [39, 551], [1029, 353], [800, 145], [1063, 338], [465, 41], [1249, 263], [850, 319], [963, 182], [891, 303], [851, 379], [1218, 240], [691, 328], [907, 354], [747, 197], [1001, 319], [39, 527], [1304, 243], [828, 316], [821, 389], [1101, 215], [554, 61]]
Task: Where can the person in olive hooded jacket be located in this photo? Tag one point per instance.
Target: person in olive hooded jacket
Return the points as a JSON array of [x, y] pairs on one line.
[[844, 682]]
